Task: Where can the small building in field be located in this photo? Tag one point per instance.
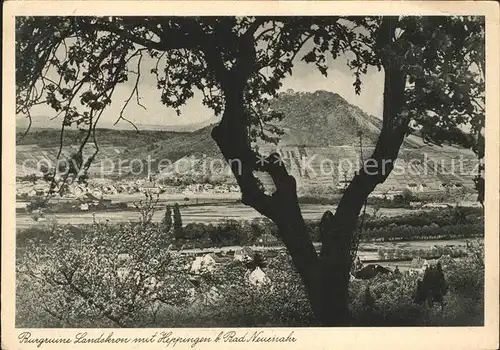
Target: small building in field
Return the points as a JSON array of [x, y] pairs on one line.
[[96, 192], [412, 186], [109, 189], [77, 190], [150, 187], [88, 201], [84, 206], [207, 261], [244, 254], [269, 240], [258, 277]]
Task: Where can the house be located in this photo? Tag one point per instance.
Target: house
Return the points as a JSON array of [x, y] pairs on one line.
[[445, 260], [122, 273], [220, 257], [123, 258], [370, 271], [343, 184], [203, 262], [150, 187], [39, 190], [244, 254], [109, 189], [412, 186], [21, 205], [96, 192], [88, 198], [212, 296], [234, 188], [268, 239], [78, 190], [269, 254], [187, 192], [88, 201], [196, 187], [84, 206], [418, 265], [351, 277], [177, 283], [435, 205], [258, 277], [423, 188], [133, 189], [122, 188]]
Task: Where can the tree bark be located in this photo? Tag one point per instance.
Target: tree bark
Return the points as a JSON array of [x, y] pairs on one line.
[[282, 206], [325, 277], [338, 231]]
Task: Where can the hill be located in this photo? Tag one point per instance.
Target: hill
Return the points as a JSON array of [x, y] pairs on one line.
[[321, 128], [323, 119]]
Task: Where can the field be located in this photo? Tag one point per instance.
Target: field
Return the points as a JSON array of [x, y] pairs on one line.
[[190, 214]]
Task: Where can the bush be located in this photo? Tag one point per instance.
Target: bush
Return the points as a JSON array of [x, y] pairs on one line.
[[61, 285], [406, 232], [433, 287], [466, 276], [167, 220], [178, 230], [114, 280]]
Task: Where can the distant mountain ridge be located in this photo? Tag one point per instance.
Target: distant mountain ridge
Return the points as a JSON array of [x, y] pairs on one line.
[[321, 118], [44, 122], [320, 125]]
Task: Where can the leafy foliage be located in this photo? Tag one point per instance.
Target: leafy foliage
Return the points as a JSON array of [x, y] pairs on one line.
[[92, 55], [239, 63], [108, 277], [433, 286], [384, 300], [167, 220], [178, 229]]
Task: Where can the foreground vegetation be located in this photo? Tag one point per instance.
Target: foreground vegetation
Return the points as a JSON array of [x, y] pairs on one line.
[[131, 278]]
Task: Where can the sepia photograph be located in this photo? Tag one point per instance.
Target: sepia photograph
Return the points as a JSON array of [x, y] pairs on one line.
[[249, 171]]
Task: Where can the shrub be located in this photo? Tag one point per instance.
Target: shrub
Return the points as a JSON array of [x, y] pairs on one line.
[[223, 297], [407, 195], [195, 231], [178, 231], [433, 287], [466, 276], [167, 220], [111, 279]]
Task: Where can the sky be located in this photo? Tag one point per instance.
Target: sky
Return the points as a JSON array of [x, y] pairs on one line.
[[305, 77]]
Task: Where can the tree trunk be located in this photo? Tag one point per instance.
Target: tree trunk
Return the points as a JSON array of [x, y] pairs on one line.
[[338, 231], [325, 277], [282, 206]]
